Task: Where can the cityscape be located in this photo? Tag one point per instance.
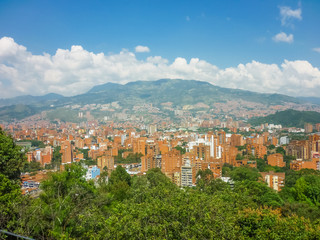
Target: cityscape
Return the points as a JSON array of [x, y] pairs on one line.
[[159, 120], [180, 151]]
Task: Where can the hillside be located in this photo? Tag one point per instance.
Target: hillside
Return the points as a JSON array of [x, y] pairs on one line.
[[179, 92], [29, 100], [19, 111], [314, 100], [176, 91], [289, 118]]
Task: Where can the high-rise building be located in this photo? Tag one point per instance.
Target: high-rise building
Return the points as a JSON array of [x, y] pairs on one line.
[[186, 175], [171, 161], [152, 129], [202, 151], [276, 160], [301, 164], [308, 128], [67, 153], [107, 161], [299, 149], [284, 140]]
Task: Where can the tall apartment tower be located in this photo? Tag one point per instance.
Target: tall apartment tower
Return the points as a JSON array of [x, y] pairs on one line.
[[186, 175], [171, 161], [67, 153]]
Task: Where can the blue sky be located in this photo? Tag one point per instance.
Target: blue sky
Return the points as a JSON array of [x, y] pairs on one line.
[[223, 34]]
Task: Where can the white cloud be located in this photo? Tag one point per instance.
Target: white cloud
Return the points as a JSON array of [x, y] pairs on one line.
[[283, 37], [76, 70], [141, 49], [287, 14], [157, 60], [316, 50]]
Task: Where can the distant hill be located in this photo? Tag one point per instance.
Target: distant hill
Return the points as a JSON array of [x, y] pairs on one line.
[[106, 87], [314, 100], [179, 92], [288, 118], [29, 100], [19, 111]]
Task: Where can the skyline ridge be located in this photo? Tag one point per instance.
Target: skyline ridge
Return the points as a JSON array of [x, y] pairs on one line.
[[108, 86]]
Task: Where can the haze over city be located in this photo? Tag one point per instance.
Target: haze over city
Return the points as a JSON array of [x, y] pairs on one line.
[[69, 47]]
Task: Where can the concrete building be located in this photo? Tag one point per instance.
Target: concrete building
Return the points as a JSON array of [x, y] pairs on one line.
[[284, 140], [301, 164], [92, 173], [274, 180], [106, 161], [276, 160], [186, 175]]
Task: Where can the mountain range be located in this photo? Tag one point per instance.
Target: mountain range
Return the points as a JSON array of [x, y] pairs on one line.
[[176, 91]]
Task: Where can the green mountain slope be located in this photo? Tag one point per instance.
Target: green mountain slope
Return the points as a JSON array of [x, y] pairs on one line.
[[288, 118], [179, 92], [314, 100], [20, 111], [28, 99]]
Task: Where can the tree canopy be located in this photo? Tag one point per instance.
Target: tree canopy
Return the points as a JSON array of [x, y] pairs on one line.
[[12, 159]]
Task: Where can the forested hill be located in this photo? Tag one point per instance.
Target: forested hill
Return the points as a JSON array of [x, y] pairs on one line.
[[28, 99], [176, 91], [314, 100], [179, 92], [288, 118]]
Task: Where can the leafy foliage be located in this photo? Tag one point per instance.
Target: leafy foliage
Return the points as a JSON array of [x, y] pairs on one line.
[[245, 173], [56, 157], [181, 149], [10, 197], [32, 167], [12, 158], [131, 158], [35, 143], [64, 197], [152, 207], [304, 188]]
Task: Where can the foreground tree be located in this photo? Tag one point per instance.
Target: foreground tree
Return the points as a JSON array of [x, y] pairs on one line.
[[245, 173], [119, 183], [12, 159], [10, 198], [11, 162], [55, 214]]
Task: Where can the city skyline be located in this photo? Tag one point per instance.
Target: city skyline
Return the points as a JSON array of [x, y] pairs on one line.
[[67, 48]]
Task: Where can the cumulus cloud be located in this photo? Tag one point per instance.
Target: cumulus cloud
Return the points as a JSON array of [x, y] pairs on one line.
[[316, 50], [75, 70], [287, 14], [141, 49], [283, 37]]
